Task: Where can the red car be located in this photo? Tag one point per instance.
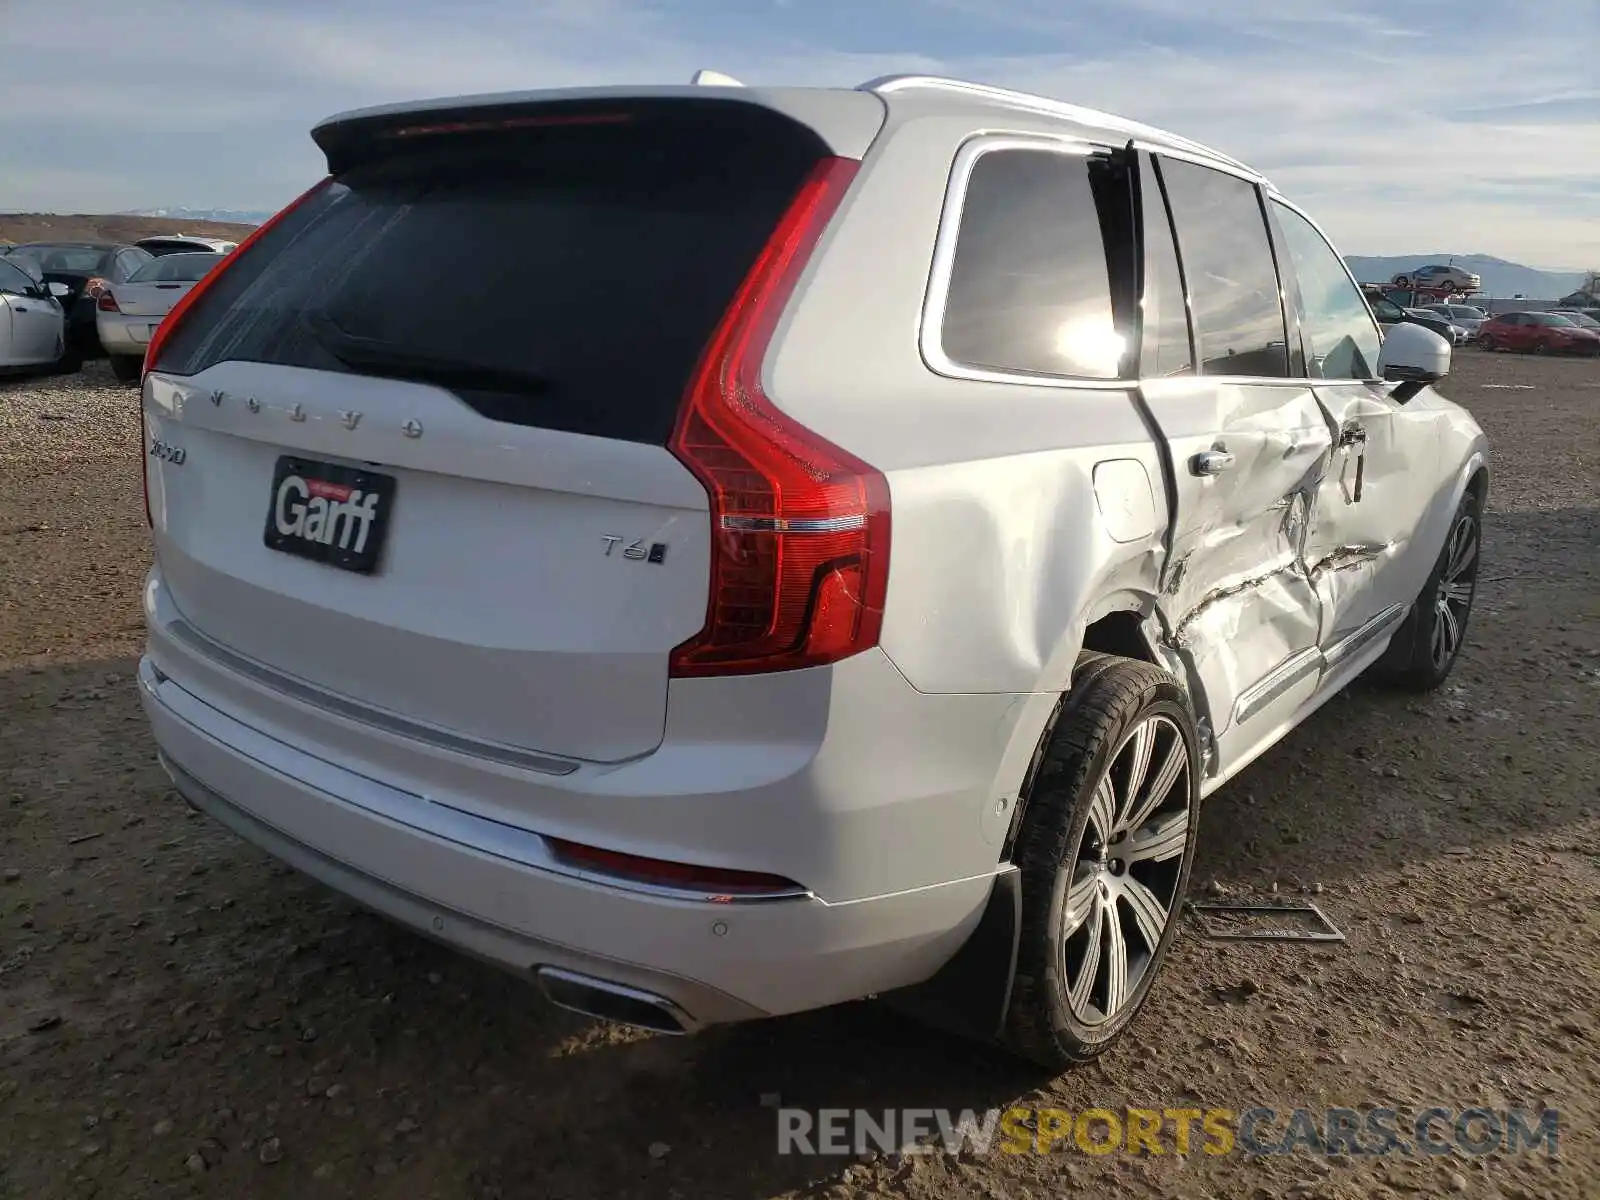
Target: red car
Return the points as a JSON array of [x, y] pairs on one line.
[[1539, 332]]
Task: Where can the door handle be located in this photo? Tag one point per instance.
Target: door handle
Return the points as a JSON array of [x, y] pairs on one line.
[[1211, 462], [18, 308]]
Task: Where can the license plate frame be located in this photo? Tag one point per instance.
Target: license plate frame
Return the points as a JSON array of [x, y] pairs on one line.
[[350, 526]]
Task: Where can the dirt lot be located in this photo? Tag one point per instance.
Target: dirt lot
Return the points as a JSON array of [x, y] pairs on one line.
[[179, 1017]]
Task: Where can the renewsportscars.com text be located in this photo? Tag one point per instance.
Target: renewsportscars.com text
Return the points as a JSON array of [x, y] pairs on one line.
[[1161, 1131]]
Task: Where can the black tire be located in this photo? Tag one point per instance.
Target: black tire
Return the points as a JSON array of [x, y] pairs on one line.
[[1541, 347], [1413, 661], [126, 368], [1486, 342], [1089, 744]]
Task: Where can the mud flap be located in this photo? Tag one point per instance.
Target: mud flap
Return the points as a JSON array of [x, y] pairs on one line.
[[969, 995]]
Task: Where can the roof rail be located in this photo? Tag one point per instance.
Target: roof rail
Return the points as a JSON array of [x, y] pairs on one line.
[[1045, 105]]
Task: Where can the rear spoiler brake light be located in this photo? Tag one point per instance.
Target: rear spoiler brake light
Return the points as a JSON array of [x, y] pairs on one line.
[[406, 131]]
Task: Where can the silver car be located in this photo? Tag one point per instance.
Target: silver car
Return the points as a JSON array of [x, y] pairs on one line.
[[127, 314], [1466, 316], [721, 552]]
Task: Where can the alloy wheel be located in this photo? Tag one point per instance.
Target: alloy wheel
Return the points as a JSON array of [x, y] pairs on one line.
[[1126, 870], [1457, 583]]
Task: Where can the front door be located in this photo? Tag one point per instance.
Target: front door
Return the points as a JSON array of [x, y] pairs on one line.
[[1372, 499], [35, 321], [1248, 446]]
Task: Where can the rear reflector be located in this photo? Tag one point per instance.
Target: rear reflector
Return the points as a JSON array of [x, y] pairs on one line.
[[714, 883], [800, 527]]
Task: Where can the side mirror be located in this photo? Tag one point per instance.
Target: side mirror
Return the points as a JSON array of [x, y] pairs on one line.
[[1413, 357], [60, 290]]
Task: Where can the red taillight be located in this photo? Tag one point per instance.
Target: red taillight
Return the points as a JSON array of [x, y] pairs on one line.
[[190, 298], [716, 882], [107, 302], [799, 527]]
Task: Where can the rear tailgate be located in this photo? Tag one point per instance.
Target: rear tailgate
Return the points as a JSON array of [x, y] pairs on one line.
[[148, 299], [482, 335]]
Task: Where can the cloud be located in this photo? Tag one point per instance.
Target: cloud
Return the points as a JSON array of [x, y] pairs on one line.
[[1397, 123]]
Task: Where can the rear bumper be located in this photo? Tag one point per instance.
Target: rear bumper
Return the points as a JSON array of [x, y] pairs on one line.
[[494, 890], [124, 335]]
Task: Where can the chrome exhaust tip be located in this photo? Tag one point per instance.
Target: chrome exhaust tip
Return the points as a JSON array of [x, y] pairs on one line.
[[613, 1002]]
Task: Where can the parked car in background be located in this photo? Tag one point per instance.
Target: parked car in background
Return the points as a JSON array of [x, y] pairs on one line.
[[783, 601], [1467, 316], [184, 243], [1440, 275], [85, 268], [1578, 317], [1537, 333], [32, 322], [1456, 334], [1390, 314], [126, 314]]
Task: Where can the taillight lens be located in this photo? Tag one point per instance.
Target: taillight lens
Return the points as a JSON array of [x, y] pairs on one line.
[[107, 302], [800, 527], [192, 297], [715, 882]]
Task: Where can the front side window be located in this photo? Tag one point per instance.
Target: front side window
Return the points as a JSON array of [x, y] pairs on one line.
[[1030, 288], [1227, 262], [14, 282], [1340, 334]]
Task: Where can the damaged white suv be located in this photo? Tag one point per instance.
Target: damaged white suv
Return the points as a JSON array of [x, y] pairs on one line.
[[723, 552]]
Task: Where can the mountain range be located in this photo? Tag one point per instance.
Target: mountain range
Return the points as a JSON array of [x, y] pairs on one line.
[[1500, 278], [233, 216]]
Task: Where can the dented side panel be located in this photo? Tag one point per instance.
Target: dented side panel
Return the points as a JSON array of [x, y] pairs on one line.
[[1237, 593], [1379, 485]]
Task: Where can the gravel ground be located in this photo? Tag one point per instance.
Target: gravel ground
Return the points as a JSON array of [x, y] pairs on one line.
[[180, 1017]]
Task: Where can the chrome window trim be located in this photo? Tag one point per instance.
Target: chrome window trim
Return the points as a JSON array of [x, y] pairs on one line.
[[930, 335]]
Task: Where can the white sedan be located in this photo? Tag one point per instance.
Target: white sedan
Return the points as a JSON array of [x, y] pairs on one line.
[[32, 323], [127, 314]]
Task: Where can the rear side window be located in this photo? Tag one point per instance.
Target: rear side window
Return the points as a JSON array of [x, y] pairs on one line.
[[1029, 286], [566, 277], [1166, 350], [1227, 260]]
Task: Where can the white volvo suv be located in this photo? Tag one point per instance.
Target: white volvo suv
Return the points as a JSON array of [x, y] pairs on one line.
[[723, 552]]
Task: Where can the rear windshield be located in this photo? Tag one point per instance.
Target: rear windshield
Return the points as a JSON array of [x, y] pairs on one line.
[[565, 277], [68, 260], [170, 245], [175, 268]]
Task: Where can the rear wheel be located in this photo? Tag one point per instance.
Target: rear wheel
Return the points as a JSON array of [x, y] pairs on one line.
[[1541, 347], [1486, 342], [1427, 644], [126, 368], [1105, 848]]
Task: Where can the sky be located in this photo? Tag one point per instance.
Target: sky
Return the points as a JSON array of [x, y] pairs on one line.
[[1403, 126]]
